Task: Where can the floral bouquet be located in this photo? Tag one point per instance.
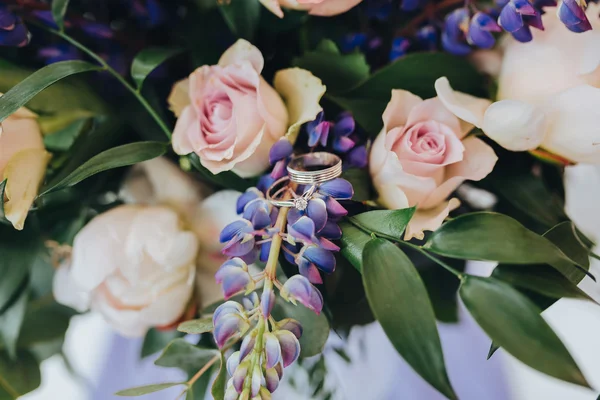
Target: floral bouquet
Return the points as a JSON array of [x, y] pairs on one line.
[[234, 180]]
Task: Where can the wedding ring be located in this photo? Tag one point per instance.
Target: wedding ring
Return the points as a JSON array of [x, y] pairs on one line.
[[300, 202], [314, 168]]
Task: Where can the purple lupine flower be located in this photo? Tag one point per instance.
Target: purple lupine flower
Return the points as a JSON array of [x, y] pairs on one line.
[[148, 12], [229, 326], [517, 16], [353, 41], [399, 48], [247, 345], [299, 289], [290, 324], [232, 362], [272, 350], [480, 30], [290, 347], [410, 5], [272, 379], [58, 52], [46, 18], [238, 238], [267, 301], [426, 37], [454, 33], [572, 14], [233, 275], [13, 32], [358, 157]]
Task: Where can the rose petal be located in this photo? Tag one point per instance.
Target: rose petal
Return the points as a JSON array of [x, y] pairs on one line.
[[434, 110], [399, 108], [429, 220], [240, 51], [466, 107], [273, 6], [328, 8], [179, 98], [181, 141], [515, 125], [301, 91], [67, 292]]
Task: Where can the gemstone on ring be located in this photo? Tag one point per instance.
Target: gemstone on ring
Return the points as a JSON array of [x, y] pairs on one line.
[[300, 203]]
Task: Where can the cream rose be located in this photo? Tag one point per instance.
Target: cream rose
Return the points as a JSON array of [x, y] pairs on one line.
[[322, 8], [230, 116], [23, 161], [421, 156], [548, 92], [138, 264]]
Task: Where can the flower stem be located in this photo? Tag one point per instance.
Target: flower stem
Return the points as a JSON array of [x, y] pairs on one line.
[[280, 224], [202, 370]]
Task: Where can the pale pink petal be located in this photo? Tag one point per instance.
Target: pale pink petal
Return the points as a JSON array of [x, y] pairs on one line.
[[434, 110], [66, 291], [429, 220], [179, 98], [478, 162], [273, 6], [464, 106], [240, 51], [398, 109], [392, 197], [181, 142], [261, 164], [18, 134], [329, 8]]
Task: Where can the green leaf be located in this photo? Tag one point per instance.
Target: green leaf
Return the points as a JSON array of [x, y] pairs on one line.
[[64, 138], [156, 341], [353, 242], [242, 17], [147, 60], [196, 326], [388, 223], [2, 189], [218, 387], [496, 237], [400, 303], [184, 355], [339, 72], [11, 321], [18, 377], [227, 179], [513, 322], [315, 328], [361, 183], [416, 73], [44, 323], [121, 156], [142, 390], [564, 236], [20, 94], [59, 9]]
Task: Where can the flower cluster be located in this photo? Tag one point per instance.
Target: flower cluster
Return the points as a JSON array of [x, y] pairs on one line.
[[13, 32]]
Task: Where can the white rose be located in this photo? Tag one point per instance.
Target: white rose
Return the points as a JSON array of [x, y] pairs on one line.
[[548, 92]]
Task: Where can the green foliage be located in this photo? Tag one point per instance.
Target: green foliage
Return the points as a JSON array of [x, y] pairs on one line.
[[59, 9], [196, 326], [184, 355], [361, 183], [514, 322], [11, 321], [219, 385], [386, 223], [400, 303], [25, 90], [241, 16], [18, 377], [353, 242], [142, 390], [228, 179], [147, 61], [156, 341], [45, 321]]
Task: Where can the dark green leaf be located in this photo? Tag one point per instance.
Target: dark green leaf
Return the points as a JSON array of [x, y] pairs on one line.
[[366, 112], [353, 242], [59, 9], [339, 72], [218, 387], [64, 138], [142, 390], [241, 16], [147, 60], [196, 326], [182, 354], [315, 327], [388, 223], [127, 154], [227, 180], [156, 341], [513, 322], [496, 237], [20, 94], [564, 236], [361, 183], [11, 321], [400, 303], [18, 377], [44, 322]]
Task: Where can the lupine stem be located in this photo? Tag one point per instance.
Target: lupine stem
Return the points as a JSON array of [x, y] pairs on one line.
[[202, 370], [280, 224]]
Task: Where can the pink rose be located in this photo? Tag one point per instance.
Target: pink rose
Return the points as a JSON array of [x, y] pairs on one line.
[[421, 156], [230, 116], [322, 8]]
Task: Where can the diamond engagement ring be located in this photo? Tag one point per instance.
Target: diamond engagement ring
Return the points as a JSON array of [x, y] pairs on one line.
[[300, 202]]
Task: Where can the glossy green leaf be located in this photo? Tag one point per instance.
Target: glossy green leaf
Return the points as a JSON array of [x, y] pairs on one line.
[[147, 61], [121, 156], [59, 9], [156, 341], [564, 236], [241, 16], [513, 322], [24, 91], [182, 354], [339, 72], [220, 383], [142, 390], [400, 303], [18, 377], [11, 321], [44, 323], [227, 179], [196, 326], [353, 242], [361, 183], [64, 138], [388, 223], [495, 237]]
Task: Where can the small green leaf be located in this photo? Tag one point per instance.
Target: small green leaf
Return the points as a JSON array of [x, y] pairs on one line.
[[156, 341], [121, 156], [44, 323], [142, 390], [242, 17], [388, 223], [59, 9], [495, 237], [25, 90], [564, 236], [11, 321], [513, 322], [18, 377], [218, 387], [64, 138], [353, 242], [339, 72], [147, 60], [196, 326], [400, 303], [184, 355]]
